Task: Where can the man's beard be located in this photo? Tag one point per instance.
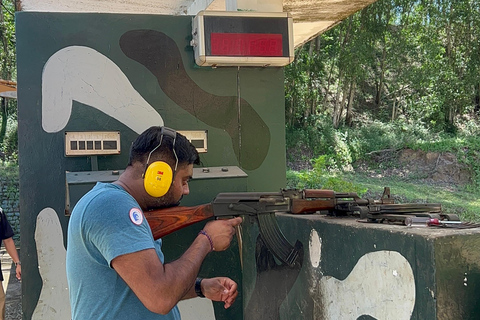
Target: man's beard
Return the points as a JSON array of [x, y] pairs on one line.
[[176, 203], [167, 201]]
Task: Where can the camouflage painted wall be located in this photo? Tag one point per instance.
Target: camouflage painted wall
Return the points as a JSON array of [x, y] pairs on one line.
[[79, 72]]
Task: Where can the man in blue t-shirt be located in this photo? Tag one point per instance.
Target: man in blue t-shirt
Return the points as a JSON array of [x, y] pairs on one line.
[[115, 269]]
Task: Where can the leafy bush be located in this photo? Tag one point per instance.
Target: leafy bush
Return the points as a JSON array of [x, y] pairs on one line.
[[323, 139], [336, 150], [321, 178], [344, 146], [9, 147], [8, 171]]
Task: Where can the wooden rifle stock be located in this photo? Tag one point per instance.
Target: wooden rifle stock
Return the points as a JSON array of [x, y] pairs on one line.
[[165, 221]]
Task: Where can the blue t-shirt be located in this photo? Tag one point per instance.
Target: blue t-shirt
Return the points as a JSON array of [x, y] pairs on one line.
[[106, 223]]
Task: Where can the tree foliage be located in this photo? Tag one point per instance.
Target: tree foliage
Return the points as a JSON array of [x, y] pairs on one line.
[[8, 107], [394, 60]]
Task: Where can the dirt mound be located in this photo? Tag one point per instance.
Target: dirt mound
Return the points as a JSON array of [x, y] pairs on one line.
[[426, 167], [442, 169]]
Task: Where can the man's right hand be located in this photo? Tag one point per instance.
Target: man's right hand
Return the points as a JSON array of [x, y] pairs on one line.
[[221, 232]]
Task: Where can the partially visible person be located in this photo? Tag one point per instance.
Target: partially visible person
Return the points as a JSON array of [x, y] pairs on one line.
[[115, 269], [6, 235]]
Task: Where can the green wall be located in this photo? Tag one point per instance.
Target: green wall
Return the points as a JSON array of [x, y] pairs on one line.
[[63, 85]]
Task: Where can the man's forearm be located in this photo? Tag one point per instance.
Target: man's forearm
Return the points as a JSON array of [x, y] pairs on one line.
[[190, 293], [186, 268], [160, 286], [11, 249]]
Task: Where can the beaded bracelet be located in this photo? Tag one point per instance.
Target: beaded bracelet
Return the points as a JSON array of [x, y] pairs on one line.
[[209, 239]]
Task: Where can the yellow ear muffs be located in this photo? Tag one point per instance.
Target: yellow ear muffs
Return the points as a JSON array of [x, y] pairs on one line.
[[158, 178]]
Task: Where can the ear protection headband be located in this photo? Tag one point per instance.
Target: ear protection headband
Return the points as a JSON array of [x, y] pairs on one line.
[[158, 176]]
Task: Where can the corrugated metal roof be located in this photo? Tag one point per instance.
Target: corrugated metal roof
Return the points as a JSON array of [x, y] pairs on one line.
[[310, 17]]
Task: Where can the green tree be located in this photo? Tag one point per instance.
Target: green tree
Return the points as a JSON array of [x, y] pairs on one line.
[[8, 63], [395, 60]]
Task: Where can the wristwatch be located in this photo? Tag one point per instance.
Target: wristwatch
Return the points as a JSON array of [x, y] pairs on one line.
[[18, 263], [198, 287]]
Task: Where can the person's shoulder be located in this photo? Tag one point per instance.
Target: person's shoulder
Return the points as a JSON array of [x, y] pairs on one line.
[[3, 218], [103, 191], [102, 199]]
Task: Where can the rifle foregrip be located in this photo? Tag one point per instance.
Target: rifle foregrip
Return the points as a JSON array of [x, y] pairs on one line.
[[165, 221], [310, 206], [319, 193]]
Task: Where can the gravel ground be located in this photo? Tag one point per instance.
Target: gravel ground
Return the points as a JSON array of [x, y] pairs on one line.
[[14, 299], [13, 303]]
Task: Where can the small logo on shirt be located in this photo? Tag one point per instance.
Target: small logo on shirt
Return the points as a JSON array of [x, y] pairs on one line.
[[136, 216]]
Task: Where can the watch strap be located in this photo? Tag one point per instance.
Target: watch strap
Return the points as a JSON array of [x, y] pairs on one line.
[[198, 287]]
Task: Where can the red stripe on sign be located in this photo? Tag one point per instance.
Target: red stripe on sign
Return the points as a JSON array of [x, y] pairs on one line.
[[246, 44]]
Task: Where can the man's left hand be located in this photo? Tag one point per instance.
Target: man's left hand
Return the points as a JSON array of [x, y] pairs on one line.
[[18, 271], [220, 289]]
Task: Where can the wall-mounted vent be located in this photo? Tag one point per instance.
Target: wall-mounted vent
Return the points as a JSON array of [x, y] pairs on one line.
[[92, 143], [197, 138]]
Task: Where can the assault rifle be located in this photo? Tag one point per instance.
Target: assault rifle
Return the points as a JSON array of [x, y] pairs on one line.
[[264, 205]]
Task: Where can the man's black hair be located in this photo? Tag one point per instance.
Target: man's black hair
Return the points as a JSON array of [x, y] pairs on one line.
[[150, 139]]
